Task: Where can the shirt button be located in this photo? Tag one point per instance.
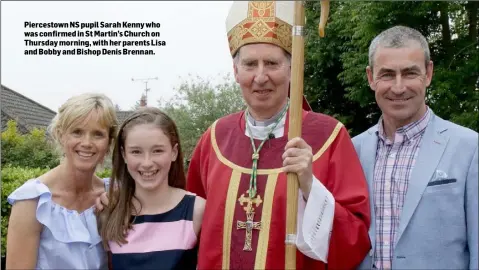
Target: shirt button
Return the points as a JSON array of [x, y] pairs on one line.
[[387, 213]]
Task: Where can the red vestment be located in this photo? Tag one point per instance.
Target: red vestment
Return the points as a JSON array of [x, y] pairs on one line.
[[220, 171]]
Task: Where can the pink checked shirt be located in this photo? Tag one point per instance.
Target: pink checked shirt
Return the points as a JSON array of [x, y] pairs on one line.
[[392, 171]]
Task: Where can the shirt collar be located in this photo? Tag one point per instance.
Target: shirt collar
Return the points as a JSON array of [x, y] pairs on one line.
[[266, 122], [408, 131]]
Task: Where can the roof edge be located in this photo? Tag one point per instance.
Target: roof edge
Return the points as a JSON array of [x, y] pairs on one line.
[[29, 99], [20, 123]]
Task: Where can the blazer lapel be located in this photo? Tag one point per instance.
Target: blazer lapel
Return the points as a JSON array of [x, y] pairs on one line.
[[368, 161], [430, 153]]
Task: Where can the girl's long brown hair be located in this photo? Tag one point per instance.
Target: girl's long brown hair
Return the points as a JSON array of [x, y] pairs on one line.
[[114, 221]]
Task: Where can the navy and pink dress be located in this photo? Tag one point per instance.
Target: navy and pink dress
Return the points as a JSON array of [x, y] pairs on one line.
[[161, 241]]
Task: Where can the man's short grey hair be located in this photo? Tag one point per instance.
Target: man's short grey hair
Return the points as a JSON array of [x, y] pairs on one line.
[[398, 37]]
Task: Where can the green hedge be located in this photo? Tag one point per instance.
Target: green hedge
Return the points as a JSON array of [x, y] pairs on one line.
[[30, 150], [14, 177]]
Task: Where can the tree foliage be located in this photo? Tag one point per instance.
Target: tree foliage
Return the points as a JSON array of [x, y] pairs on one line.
[[197, 104], [31, 150], [335, 76]]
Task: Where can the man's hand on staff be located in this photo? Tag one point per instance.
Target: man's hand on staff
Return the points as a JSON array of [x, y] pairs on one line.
[[298, 158]]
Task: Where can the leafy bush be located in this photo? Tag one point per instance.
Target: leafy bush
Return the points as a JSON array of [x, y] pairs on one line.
[[31, 150], [105, 173], [14, 177]]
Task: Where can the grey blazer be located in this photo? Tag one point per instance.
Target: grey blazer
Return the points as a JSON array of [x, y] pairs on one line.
[[438, 226]]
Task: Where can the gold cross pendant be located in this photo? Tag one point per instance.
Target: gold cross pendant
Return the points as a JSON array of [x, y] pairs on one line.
[[249, 225]]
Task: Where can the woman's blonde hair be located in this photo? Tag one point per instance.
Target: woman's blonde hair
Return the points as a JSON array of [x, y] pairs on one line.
[[77, 108]]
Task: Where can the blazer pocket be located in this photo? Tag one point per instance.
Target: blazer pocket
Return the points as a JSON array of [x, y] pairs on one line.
[[442, 182]]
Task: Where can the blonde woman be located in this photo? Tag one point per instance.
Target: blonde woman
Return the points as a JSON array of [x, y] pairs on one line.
[[52, 223]]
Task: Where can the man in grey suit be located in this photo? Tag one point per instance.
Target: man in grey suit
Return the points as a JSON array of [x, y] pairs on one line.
[[421, 169]]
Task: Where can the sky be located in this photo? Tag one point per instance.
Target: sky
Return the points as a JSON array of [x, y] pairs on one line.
[[194, 33]]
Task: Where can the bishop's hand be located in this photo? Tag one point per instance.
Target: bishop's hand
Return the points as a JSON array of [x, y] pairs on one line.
[[298, 158]]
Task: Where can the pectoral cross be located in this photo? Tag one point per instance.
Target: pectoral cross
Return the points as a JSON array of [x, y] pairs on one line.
[[249, 225]]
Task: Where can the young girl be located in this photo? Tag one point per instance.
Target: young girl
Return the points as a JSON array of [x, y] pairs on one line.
[[151, 222]]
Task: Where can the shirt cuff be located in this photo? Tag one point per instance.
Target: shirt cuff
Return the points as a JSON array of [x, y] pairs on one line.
[[315, 222]]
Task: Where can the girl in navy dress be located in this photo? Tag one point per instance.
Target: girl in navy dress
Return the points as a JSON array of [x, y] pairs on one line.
[[150, 222]]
